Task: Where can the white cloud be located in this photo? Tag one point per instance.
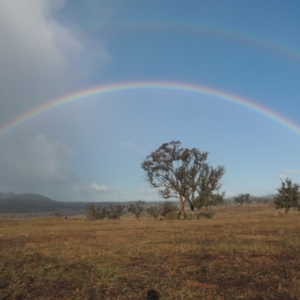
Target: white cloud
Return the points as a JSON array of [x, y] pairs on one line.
[[127, 145], [95, 188], [131, 145], [281, 176], [292, 171], [287, 173], [148, 191]]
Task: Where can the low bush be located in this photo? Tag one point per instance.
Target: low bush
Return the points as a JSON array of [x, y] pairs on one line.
[[173, 215], [167, 207], [137, 208], [207, 215], [153, 211]]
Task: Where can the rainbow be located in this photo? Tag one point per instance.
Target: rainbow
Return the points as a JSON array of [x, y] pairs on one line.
[[147, 85], [262, 42]]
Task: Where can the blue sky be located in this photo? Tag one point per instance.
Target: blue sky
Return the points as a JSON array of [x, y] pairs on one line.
[[92, 149]]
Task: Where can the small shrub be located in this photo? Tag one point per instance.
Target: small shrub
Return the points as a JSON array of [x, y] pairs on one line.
[[115, 211], [173, 215], [168, 207], [95, 212], [162, 209], [198, 217], [243, 198], [56, 214], [153, 211], [207, 215], [137, 208]]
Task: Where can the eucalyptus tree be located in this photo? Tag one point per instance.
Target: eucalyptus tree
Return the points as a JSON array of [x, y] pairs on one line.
[[182, 173], [288, 196]]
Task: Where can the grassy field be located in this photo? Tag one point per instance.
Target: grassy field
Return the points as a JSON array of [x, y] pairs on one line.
[[245, 252]]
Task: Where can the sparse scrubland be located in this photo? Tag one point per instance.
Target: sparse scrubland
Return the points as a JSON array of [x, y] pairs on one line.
[[243, 252], [137, 252]]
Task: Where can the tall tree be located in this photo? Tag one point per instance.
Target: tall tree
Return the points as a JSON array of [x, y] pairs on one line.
[[181, 173], [288, 196]]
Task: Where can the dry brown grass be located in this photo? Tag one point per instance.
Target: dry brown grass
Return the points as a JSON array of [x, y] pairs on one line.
[[242, 253]]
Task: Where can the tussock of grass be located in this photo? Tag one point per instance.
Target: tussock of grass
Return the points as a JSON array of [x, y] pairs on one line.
[[242, 253]]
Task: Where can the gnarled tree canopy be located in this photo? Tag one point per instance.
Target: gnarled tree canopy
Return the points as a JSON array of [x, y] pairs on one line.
[[183, 173]]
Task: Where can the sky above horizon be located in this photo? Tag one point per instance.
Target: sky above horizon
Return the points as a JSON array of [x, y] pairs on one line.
[[159, 58]]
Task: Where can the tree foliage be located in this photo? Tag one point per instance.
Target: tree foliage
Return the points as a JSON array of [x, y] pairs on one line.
[[182, 173], [137, 208], [288, 196], [208, 189], [243, 199], [204, 201]]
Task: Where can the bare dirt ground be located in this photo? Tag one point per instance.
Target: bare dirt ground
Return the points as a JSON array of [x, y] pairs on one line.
[[245, 252]]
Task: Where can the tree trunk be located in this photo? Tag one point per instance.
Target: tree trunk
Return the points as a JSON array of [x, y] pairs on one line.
[[182, 205], [286, 210], [193, 214], [192, 208], [193, 211]]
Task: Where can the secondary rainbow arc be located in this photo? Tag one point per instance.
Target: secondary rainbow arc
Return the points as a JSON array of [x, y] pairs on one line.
[[144, 85], [268, 44]]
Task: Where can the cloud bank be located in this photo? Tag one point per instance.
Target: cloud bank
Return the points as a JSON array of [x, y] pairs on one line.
[[35, 165], [39, 57]]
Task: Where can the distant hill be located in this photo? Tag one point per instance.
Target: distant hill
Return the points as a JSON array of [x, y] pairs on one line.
[[11, 203], [270, 196], [27, 203]]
